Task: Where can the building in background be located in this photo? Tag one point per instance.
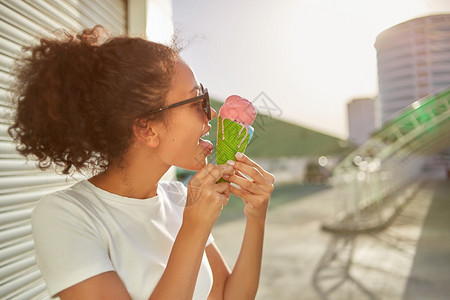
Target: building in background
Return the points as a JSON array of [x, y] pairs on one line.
[[151, 19], [413, 62], [361, 119]]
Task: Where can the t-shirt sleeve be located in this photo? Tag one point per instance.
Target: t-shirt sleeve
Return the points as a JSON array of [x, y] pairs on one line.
[[68, 245]]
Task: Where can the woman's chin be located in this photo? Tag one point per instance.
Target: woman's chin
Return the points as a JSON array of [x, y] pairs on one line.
[[196, 165]]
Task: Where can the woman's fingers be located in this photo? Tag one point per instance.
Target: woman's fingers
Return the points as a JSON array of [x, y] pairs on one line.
[[245, 184], [224, 199], [253, 172], [256, 180], [251, 200], [211, 173], [251, 183], [204, 172], [240, 157], [239, 192], [218, 171], [237, 173], [203, 185], [221, 187]]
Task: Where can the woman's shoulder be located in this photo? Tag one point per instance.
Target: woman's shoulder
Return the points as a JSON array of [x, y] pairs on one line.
[[66, 193], [67, 200]]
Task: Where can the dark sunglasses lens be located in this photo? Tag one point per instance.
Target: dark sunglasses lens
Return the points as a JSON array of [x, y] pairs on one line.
[[206, 107], [205, 102]]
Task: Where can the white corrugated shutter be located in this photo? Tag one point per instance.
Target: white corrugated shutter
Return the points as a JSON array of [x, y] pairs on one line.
[[22, 184]]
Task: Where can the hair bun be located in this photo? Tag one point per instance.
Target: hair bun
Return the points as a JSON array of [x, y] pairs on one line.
[[90, 36], [94, 37]]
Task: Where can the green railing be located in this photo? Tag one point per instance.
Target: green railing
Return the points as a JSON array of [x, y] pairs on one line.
[[370, 178]]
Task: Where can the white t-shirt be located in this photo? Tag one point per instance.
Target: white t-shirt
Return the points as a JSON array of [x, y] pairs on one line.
[[83, 231]]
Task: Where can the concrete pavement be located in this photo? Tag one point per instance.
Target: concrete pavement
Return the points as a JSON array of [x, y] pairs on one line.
[[430, 274]]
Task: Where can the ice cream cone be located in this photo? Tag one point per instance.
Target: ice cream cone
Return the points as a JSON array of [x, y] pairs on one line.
[[232, 137]]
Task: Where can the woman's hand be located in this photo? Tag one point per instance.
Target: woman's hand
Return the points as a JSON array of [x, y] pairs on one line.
[[255, 189], [205, 197]]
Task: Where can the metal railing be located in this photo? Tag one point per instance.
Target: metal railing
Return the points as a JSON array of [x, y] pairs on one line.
[[375, 180]]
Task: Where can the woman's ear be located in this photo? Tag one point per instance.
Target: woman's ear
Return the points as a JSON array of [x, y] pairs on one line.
[[145, 133]]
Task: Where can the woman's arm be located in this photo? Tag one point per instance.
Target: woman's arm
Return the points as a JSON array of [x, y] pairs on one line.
[[180, 275], [242, 283], [220, 271], [255, 190]]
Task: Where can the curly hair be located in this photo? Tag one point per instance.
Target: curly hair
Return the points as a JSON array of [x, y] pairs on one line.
[[77, 98]]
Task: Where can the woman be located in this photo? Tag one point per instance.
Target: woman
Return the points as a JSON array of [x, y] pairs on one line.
[[128, 109]]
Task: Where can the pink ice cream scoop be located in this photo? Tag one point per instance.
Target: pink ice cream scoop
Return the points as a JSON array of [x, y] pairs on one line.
[[238, 109]]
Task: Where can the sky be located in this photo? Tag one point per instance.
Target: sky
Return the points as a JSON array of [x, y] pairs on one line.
[[302, 60]]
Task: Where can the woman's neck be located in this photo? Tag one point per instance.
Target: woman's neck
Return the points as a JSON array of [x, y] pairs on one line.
[[133, 178]]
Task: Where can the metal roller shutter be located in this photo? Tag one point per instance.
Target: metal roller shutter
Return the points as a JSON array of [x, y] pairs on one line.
[[21, 183]]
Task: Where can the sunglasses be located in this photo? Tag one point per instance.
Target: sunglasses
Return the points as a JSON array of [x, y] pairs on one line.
[[205, 103]]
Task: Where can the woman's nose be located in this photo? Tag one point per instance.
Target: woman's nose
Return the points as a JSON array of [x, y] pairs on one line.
[[213, 113]]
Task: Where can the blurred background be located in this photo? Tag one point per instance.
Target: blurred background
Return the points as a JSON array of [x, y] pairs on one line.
[[353, 120]]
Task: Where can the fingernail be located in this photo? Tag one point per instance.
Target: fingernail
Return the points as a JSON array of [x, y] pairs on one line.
[[231, 162], [226, 176], [239, 155], [235, 185]]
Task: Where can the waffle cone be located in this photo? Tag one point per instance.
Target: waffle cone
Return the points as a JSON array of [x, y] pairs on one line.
[[231, 139]]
